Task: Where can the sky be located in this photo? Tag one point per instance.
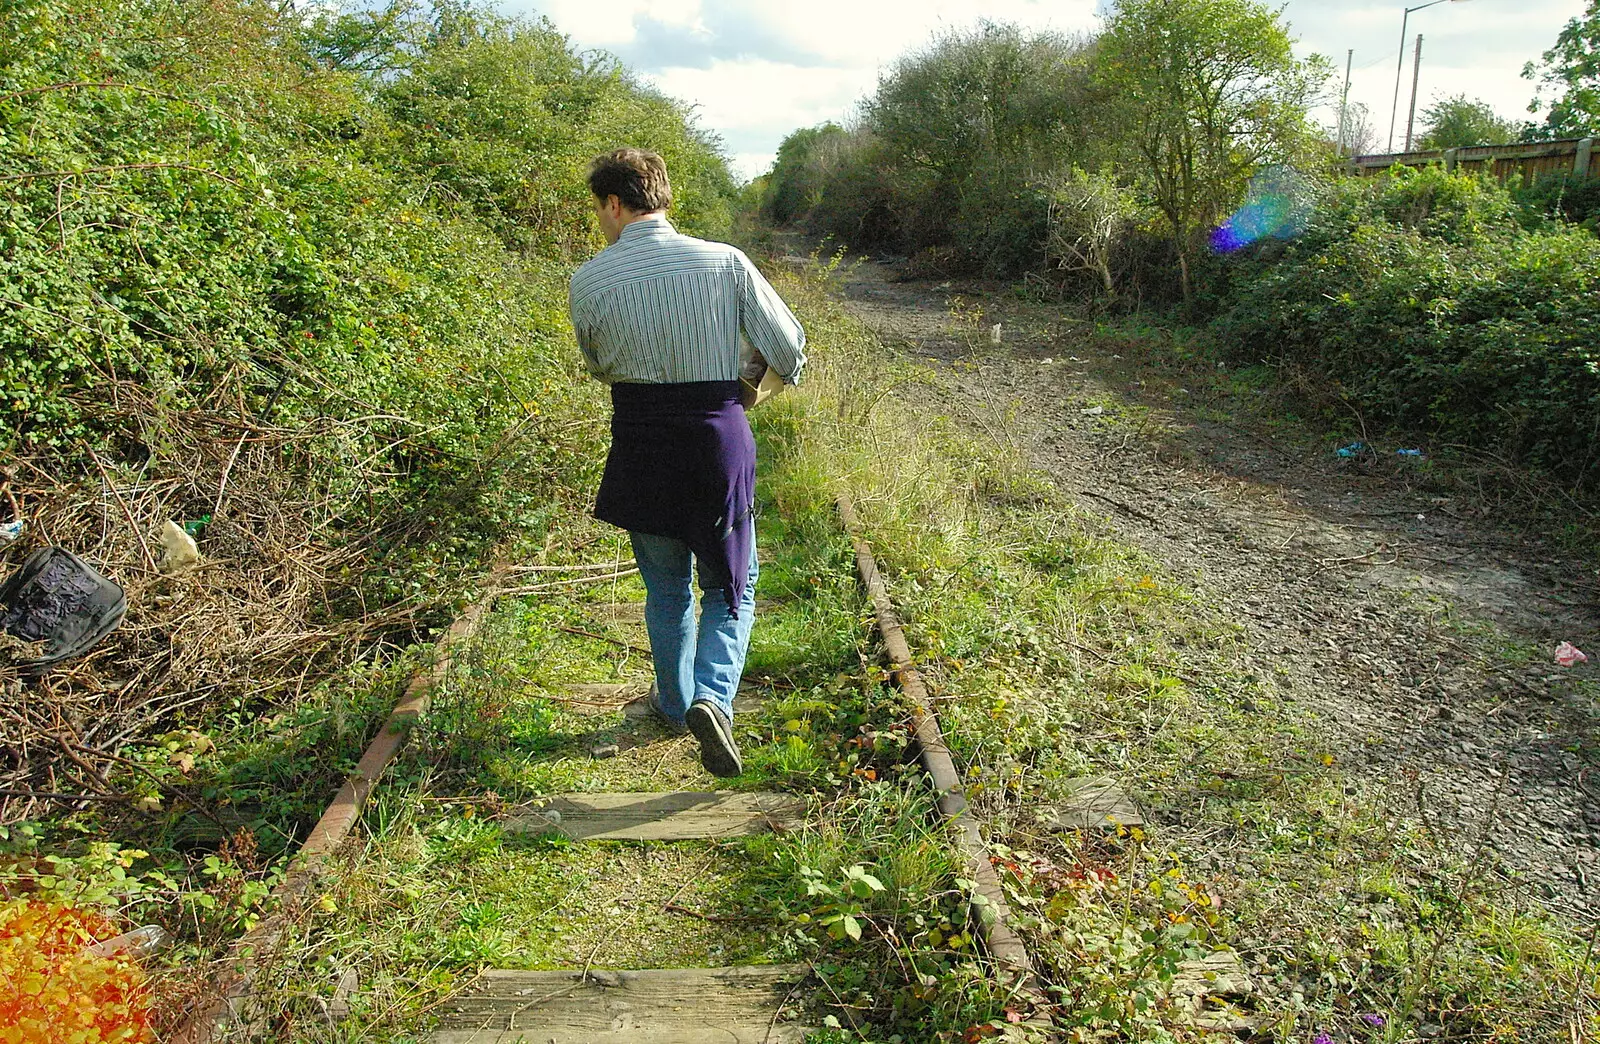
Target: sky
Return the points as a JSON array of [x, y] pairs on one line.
[[757, 69]]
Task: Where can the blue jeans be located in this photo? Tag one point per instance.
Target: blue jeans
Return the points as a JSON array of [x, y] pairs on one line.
[[692, 662]]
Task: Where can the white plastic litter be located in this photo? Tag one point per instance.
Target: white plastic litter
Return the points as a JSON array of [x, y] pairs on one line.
[[141, 942], [182, 553]]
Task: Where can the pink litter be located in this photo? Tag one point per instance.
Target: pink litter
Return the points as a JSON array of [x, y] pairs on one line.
[[1568, 654]]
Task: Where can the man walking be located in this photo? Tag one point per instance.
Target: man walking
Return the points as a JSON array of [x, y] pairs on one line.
[[659, 317]]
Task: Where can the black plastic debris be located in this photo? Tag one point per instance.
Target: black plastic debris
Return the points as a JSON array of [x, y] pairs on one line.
[[58, 599]]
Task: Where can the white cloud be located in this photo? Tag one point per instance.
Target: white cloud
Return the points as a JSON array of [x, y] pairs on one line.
[[748, 165], [754, 104], [865, 35], [738, 96], [847, 33], [607, 24]]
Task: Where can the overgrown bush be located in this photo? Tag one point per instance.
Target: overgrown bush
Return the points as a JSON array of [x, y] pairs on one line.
[[1428, 305], [354, 227], [947, 151], [1090, 218], [299, 278], [801, 172], [1178, 101], [1561, 197], [197, 202], [848, 189], [501, 116]]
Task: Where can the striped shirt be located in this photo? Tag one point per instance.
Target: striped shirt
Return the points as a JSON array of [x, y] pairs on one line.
[[660, 307]]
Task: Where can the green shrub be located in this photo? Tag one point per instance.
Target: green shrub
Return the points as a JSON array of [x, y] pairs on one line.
[[864, 201], [801, 171], [310, 223], [946, 153], [1428, 305], [502, 116], [300, 278], [1561, 197], [1003, 224]]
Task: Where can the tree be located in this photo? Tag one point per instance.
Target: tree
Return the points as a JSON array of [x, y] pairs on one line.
[[800, 172], [493, 112], [1360, 134], [976, 109], [1206, 93], [377, 41], [1089, 216], [1459, 122], [1571, 70]]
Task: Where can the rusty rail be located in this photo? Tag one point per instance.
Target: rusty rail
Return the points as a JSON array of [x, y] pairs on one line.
[[251, 950], [1004, 945]]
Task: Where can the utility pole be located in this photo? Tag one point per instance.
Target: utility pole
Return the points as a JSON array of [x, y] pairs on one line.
[[1400, 65], [1399, 70], [1344, 103], [1416, 71]]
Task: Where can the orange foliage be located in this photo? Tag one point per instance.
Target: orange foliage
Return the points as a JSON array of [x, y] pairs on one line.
[[52, 992]]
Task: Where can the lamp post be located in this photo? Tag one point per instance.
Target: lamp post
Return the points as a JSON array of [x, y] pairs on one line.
[[1400, 64]]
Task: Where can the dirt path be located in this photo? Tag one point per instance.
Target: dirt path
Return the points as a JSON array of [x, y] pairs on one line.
[[1418, 631]]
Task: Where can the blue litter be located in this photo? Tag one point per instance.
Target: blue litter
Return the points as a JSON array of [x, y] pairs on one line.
[[12, 530], [1408, 453], [1355, 449]]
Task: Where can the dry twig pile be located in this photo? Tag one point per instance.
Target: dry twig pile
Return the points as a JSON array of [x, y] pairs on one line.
[[269, 607]]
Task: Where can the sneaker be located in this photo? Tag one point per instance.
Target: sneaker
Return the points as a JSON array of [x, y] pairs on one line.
[[718, 752], [660, 715]]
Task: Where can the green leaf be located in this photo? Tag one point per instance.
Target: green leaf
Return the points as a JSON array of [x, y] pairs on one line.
[[864, 886]]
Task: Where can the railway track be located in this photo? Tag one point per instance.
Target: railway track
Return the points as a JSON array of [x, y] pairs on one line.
[[650, 1001]]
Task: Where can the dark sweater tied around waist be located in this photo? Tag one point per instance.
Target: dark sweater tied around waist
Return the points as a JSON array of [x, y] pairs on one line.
[[683, 465]]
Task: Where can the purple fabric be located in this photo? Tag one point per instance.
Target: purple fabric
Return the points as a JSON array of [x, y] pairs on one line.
[[683, 465]]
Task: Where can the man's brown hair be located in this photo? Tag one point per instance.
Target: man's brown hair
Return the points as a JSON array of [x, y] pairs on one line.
[[637, 177]]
